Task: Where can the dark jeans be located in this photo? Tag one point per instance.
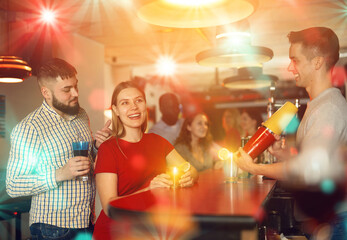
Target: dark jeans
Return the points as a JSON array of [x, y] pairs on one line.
[[41, 231]]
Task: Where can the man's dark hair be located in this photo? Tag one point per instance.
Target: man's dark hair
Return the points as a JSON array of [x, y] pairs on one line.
[[319, 41], [168, 97], [169, 107], [54, 68]]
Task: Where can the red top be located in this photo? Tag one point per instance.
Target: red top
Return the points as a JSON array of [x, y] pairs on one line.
[[140, 163]]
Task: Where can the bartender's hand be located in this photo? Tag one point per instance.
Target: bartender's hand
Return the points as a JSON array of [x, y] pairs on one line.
[[76, 166], [279, 149], [103, 134], [244, 161], [277, 145], [161, 181]]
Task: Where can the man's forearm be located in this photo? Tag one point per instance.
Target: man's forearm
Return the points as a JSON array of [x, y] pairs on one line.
[[27, 185], [275, 170]]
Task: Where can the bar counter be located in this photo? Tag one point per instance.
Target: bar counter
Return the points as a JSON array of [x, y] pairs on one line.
[[210, 208]]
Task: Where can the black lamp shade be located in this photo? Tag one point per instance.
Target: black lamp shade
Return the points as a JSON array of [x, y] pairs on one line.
[[13, 69]]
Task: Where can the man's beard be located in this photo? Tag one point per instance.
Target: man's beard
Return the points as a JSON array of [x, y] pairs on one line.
[[65, 108]]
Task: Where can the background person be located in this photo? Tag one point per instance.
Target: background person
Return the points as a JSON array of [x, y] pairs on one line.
[[250, 120], [232, 128], [170, 124], [132, 161], [195, 143], [41, 162]]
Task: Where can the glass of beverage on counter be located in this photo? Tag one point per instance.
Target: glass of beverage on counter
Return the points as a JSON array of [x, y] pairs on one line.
[[81, 148], [229, 165]]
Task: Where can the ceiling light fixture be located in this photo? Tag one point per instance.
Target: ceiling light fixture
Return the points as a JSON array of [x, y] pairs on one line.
[[249, 78], [13, 69], [234, 56], [234, 49], [194, 13]]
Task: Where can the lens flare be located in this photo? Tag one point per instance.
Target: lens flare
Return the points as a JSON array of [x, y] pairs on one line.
[[292, 126], [48, 16], [165, 66]]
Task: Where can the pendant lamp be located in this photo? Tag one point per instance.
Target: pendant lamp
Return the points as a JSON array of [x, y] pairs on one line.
[[234, 56], [233, 48], [194, 13], [13, 69], [249, 78]]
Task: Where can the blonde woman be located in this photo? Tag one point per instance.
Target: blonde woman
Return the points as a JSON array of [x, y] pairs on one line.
[[128, 163]]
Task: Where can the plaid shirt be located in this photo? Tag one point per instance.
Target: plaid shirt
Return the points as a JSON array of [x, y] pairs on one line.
[[40, 144]]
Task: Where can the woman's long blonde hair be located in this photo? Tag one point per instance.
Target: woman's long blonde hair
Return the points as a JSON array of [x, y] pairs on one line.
[[118, 129]]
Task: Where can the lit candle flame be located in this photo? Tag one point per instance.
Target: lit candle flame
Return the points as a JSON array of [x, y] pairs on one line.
[[175, 170]]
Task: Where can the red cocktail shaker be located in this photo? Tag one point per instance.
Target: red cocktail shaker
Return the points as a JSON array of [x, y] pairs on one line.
[[264, 136]]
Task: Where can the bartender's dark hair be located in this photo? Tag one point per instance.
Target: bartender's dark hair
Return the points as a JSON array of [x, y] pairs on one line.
[[319, 41], [54, 68]]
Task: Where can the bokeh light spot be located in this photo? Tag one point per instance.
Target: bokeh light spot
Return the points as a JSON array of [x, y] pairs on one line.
[[138, 162], [328, 186], [83, 236], [292, 126], [224, 154], [328, 131], [96, 99]]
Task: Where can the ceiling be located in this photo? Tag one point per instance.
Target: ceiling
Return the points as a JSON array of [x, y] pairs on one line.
[[130, 42]]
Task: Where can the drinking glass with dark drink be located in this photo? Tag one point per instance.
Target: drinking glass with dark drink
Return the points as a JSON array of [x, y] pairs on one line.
[[81, 149]]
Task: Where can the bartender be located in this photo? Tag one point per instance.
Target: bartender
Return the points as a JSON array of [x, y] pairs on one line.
[[323, 129]]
